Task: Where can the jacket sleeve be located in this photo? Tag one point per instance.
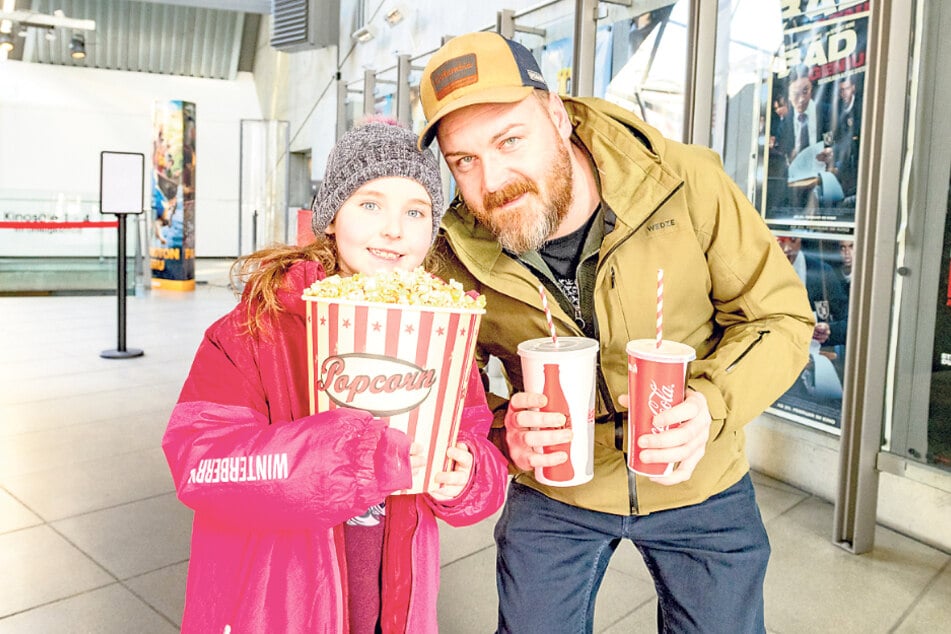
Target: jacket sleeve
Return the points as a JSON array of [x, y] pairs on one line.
[[487, 483], [229, 460], [760, 306]]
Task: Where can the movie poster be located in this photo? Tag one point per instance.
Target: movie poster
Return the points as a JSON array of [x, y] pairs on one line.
[[814, 127], [172, 230], [825, 268], [813, 131]]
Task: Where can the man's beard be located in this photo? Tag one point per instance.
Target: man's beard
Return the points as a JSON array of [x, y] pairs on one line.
[[528, 226]]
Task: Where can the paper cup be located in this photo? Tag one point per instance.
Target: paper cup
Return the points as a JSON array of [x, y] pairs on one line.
[[565, 372], [405, 364], [656, 379]]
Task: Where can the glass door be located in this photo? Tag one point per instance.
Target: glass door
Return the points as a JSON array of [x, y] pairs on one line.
[[919, 427]]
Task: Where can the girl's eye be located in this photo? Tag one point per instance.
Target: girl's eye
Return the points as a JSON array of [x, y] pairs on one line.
[[416, 213], [511, 141], [370, 205]]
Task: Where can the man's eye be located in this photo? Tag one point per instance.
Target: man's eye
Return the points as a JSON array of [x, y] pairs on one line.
[[464, 163]]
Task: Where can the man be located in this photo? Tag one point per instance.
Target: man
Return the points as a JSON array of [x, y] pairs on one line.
[[847, 252], [808, 121], [583, 197], [826, 289], [842, 158]]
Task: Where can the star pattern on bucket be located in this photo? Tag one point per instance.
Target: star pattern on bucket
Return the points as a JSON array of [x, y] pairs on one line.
[[376, 326], [409, 329]]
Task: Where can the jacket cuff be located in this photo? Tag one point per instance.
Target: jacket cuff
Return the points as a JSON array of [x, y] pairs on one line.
[[715, 403]]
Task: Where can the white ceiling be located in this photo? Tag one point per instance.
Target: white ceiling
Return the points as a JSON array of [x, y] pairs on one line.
[[194, 38]]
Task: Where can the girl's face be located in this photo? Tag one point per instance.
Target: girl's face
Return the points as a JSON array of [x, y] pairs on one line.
[[386, 224]]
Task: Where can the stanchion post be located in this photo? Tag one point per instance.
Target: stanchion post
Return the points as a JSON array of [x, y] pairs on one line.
[[119, 171]]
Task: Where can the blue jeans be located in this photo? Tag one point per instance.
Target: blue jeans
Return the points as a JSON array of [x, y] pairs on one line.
[[708, 562]]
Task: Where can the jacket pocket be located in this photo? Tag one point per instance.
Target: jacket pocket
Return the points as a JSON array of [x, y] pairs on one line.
[[746, 351]]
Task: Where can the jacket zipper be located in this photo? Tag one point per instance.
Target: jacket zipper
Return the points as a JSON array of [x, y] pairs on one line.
[[752, 345], [631, 490]]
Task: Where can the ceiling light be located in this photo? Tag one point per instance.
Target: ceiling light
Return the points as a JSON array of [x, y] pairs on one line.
[[6, 42], [77, 47], [364, 34]]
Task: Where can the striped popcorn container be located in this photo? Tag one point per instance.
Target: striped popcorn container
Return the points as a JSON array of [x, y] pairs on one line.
[[406, 364]]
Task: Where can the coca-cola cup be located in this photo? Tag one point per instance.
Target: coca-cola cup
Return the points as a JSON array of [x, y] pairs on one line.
[[406, 364], [656, 377], [565, 371]]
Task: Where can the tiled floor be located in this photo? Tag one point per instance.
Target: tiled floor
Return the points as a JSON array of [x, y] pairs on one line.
[[92, 538]]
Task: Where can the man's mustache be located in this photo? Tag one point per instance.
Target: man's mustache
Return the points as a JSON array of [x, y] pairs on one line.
[[495, 199]]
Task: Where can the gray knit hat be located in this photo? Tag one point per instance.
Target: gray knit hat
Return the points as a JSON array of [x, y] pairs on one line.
[[371, 151]]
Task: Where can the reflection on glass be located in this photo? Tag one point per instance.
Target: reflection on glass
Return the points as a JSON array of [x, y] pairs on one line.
[[645, 58], [384, 93], [939, 406]]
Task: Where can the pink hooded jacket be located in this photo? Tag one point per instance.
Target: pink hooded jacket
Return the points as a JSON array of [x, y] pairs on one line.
[[271, 485]]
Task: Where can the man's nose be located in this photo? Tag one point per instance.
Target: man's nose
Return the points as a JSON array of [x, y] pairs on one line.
[[494, 175]]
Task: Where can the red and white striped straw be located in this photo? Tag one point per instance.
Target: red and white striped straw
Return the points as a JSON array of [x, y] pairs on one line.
[[551, 324], [660, 307]]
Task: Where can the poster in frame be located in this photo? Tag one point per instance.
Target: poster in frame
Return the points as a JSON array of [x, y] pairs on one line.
[[814, 124]]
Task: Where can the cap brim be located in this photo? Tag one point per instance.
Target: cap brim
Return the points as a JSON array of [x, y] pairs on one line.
[[506, 94]]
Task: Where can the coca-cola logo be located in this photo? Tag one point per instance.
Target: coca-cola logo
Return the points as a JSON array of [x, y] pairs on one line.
[[661, 397], [383, 386]]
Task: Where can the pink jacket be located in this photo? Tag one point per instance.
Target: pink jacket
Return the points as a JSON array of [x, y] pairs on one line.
[[271, 485]]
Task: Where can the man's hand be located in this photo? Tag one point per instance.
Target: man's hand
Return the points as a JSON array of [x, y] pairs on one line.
[[821, 332], [528, 431], [685, 444]]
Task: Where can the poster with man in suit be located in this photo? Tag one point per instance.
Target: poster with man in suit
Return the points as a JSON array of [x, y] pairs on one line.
[[814, 129]]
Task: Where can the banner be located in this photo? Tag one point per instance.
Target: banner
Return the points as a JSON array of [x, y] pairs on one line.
[[814, 129], [172, 242]]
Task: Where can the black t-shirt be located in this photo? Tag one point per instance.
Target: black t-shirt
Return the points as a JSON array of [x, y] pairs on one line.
[[562, 255]]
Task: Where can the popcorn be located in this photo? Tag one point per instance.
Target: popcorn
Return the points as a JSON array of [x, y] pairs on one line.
[[410, 288]]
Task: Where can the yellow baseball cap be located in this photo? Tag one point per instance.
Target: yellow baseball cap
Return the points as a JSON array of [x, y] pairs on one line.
[[475, 68]]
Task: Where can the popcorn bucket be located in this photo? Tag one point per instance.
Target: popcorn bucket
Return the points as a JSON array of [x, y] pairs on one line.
[[406, 364]]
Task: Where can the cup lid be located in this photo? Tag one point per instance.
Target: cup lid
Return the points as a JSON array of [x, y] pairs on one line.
[[546, 346], [668, 351]]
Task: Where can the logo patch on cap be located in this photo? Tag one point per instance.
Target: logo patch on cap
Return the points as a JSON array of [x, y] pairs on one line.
[[454, 74]]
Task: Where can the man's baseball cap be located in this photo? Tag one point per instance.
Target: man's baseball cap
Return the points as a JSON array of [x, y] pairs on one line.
[[475, 68]]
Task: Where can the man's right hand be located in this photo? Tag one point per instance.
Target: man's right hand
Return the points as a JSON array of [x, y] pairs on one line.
[[527, 431]]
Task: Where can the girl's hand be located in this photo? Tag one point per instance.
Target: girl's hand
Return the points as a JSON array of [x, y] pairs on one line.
[[416, 458], [452, 483]]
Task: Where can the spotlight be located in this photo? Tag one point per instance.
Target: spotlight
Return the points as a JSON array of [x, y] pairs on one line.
[[395, 15], [365, 34], [6, 42], [77, 47]]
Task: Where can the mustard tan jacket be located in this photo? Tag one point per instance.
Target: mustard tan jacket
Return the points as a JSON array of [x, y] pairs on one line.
[[729, 292]]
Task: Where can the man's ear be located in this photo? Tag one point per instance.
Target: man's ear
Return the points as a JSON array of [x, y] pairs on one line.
[[559, 115]]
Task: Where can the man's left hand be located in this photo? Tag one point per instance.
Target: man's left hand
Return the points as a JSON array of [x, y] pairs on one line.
[[685, 444]]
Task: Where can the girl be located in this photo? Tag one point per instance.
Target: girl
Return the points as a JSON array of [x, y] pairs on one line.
[[293, 530]]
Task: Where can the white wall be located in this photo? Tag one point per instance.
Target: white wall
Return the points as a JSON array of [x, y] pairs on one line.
[[55, 120]]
